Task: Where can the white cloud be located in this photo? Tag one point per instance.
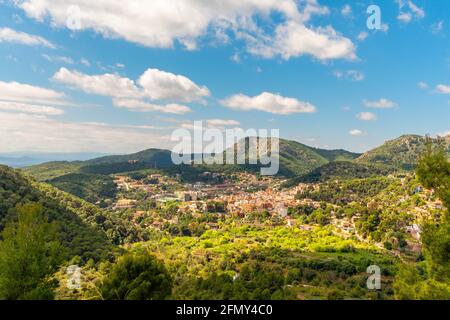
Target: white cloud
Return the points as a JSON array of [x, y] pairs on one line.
[[367, 116], [357, 133], [161, 85], [18, 92], [156, 23], [346, 10], [293, 39], [423, 85], [352, 75], [444, 89], [13, 36], [111, 85], [29, 108], [142, 106], [153, 85], [59, 59], [363, 35], [162, 23], [36, 133], [268, 102], [380, 104]]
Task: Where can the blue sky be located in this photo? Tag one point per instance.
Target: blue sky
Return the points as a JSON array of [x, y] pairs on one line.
[[83, 76]]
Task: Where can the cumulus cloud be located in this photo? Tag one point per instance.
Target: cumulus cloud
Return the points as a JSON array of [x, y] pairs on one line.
[[293, 39], [111, 85], [444, 89], [36, 133], [156, 23], [153, 85], [357, 133], [268, 102], [367, 116], [380, 104], [13, 36], [162, 23], [161, 85]]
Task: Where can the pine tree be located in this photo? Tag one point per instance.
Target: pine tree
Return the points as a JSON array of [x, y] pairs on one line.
[[29, 255]]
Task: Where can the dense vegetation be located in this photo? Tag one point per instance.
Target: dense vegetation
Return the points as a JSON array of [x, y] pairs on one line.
[[347, 191], [29, 254], [90, 187], [139, 277], [341, 170], [269, 263], [403, 153], [349, 216], [84, 229], [431, 278]]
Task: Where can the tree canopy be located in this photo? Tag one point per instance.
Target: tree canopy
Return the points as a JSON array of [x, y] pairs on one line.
[[137, 277], [29, 255]]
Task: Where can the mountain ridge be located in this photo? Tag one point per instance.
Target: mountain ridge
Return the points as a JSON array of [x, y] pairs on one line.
[[296, 159]]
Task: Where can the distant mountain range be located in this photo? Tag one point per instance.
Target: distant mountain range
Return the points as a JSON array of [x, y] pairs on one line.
[[19, 160], [296, 160], [91, 179]]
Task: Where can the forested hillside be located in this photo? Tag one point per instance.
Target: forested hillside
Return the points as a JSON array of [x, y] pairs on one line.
[[86, 230], [77, 233], [403, 153]]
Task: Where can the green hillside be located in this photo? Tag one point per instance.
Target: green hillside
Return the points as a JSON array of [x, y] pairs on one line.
[[78, 235], [156, 157], [337, 155], [403, 153], [342, 170], [51, 170], [90, 187], [85, 230], [295, 159]]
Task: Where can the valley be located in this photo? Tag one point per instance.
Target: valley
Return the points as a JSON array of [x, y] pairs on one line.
[[225, 232]]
